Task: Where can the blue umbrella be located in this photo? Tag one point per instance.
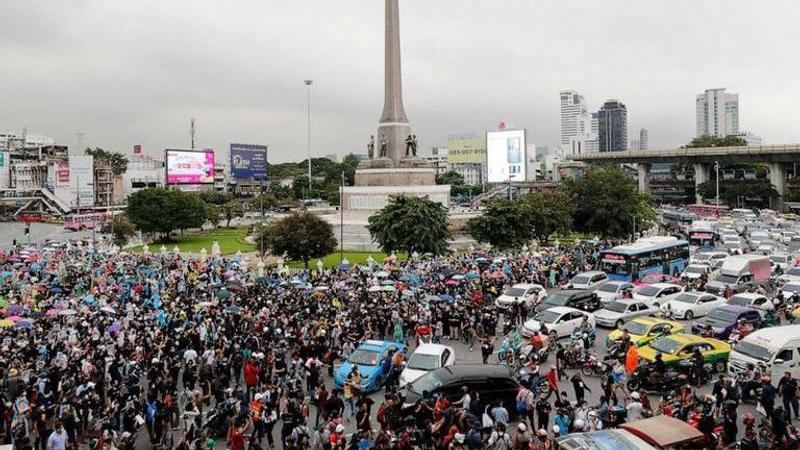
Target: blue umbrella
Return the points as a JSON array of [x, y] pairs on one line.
[[89, 299], [473, 275], [447, 298], [24, 324], [232, 309]]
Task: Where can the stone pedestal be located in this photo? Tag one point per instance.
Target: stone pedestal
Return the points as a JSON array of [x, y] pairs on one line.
[[395, 177], [375, 187]]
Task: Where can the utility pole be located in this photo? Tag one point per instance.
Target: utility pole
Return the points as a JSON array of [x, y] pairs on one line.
[[341, 222], [261, 229], [716, 167], [308, 90], [191, 130]]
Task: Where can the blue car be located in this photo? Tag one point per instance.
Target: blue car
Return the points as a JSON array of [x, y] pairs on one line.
[[373, 365]]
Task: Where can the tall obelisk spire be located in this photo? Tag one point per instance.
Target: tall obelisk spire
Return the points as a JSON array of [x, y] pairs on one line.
[[394, 122]]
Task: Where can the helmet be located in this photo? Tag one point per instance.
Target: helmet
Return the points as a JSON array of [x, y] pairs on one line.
[[585, 335], [541, 432], [579, 424], [556, 429], [635, 395], [340, 428], [522, 426]]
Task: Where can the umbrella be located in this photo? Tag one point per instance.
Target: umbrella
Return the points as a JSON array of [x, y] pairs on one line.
[[382, 274], [473, 275], [24, 324], [89, 299], [52, 312], [223, 293], [451, 282], [15, 318], [457, 276], [387, 282], [114, 327], [323, 288], [205, 304], [374, 288], [108, 309], [387, 288], [233, 309], [5, 323], [447, 298], [14, 309], [3, 303], [68, 312]]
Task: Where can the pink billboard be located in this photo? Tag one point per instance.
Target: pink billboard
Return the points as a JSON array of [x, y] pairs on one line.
[[190, 166]]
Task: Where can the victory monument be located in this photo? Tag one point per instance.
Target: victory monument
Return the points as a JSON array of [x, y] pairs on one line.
[[392, 167]]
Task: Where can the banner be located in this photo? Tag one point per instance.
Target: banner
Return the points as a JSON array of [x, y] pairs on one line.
[[190, 166], [248, 161], [62, 171], [466, 150], [81, 171]]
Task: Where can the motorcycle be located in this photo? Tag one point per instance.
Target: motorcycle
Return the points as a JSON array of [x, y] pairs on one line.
[[644, 377], [711, 428], [534, 383], [593, 366]]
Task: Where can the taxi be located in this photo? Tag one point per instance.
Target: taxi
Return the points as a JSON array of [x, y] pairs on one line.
[[372, 359], [643, 330], [681, 346]]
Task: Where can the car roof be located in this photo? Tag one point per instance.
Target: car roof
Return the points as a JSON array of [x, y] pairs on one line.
[[526, 285], [590, 273], [617, 282], [431, 349], [371, 344], [686, 338], [774, 337], [735, 308], [749, 295], [461, 371], [573, 292], [563, 309], [654, 320], [664, 285]]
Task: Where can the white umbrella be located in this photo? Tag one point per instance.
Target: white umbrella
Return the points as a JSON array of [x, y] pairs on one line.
[[382, 274], [375, 288], [108, 309], [68, 312]]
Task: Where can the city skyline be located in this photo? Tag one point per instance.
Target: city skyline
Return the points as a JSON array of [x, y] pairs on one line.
[[135, 72]]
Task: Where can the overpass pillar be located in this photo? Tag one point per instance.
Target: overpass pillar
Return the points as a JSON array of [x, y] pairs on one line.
[[701, 175], [777, 177], [644, 176]]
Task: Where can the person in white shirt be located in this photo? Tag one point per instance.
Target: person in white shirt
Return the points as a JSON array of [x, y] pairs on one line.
[[634, 408], [58, 438]]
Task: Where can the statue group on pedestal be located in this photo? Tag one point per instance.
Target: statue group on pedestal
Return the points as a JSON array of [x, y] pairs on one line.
[[411, 146]]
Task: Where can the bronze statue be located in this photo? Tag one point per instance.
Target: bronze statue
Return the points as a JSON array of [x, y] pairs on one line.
[[371, 147], [384, 146], [411, 145]]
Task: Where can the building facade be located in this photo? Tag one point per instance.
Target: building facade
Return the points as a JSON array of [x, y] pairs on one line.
[[612, 125], [576, 124], [717, 113], [438, 158], [643, 139]]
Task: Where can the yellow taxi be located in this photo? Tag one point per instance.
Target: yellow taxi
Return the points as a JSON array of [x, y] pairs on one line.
[[643, 330], [679, 347]]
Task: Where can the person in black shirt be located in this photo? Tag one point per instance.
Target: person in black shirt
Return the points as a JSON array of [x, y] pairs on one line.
[[787, 387]]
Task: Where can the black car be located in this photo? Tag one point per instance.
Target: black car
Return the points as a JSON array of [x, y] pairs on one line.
[[490, 381], [582, 299]]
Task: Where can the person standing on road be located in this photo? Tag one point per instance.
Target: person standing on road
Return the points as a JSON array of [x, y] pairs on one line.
[[787, 387], [579, 386], [487, 349], [768, 394]]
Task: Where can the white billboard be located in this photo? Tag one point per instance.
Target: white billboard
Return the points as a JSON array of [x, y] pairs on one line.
[[81, 180], [505, 156]]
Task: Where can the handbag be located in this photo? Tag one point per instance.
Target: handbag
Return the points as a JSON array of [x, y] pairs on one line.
[[486, 419]]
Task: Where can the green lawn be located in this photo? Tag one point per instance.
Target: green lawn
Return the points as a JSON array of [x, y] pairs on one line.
[[333, 259], [230, 241]]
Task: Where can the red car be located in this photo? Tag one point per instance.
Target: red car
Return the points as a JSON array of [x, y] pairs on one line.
[[656, 278]]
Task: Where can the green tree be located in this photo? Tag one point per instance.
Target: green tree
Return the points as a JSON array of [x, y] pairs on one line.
[[450, 177], [411, 224], [270, 200], [122, 229], [189, 209], [118, 161], [213, 215], [608, 202], [152, 210], [214, 197], [550, 212], [714, 141], [301, 236], [504, 224], [752, 192], [230, 211], [300, 187]]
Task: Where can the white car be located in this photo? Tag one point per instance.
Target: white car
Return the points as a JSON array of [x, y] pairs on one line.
[[790, 289], [707, 257], [753, 300], [588, 280], [782, 260], [616, 313], [612, 290], [695, 271], [529, 294], [560, 321], [789, 275], [689, 305], [657, 293], [426, 357]]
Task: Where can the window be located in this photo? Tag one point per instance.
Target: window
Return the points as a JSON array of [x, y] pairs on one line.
[[785, 355], [445, 356]]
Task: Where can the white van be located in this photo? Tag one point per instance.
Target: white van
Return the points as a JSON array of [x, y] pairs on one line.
[[777, 349]]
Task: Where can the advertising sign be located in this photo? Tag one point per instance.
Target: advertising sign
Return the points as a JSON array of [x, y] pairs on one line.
[[505, 156], [62, 172], [190, 166], [81, 172], [249, 161], [466, 150]]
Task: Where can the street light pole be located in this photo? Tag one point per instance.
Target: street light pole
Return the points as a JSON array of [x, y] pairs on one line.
[[261, 229], [308, 86], [716, 167], [341, 222]]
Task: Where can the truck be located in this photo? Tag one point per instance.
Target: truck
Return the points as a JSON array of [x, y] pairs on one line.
[[740, 273]]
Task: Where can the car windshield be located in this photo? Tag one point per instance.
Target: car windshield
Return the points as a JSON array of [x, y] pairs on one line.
[[363, 357], [793, 271], [779, 259], [547, 317], [636, 328], [702, 256], [515, 292], [428, 382], [580, 279], [687, 298], [722, 315], [791, 287], [648, 291], [727, 279], [608, 287], [421, 361], [558, 299], [666, 345], [617, 307], [739, 300], [695, 269], [753, 350]]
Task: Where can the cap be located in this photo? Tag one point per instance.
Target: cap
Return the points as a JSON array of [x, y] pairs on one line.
[[522, 427], [340, 428], [635, 395]]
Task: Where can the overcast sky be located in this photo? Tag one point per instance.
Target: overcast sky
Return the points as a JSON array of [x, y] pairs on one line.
[[134, 71]]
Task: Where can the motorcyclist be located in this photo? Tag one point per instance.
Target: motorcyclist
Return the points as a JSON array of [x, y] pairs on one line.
[[743, 328], [585, 326], [658, 369], [708, 332]]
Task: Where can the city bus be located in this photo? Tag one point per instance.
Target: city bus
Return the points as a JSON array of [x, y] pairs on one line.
[[708, 210], [665, 255], [703, 233], [86, 221]]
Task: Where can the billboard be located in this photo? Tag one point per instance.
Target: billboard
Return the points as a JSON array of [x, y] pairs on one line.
[[505, 156], [466, 150], [189, 166], [62, 172], [81, 174], [248, 161]]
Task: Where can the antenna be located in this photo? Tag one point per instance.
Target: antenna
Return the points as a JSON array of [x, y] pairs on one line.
[[191, 126]]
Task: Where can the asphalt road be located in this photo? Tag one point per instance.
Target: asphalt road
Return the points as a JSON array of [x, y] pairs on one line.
[[40, 232]]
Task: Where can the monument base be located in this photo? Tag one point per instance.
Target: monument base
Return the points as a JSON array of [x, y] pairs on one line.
[[401, 176], [375, 187]]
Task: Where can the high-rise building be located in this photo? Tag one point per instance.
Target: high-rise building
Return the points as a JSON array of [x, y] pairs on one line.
[[717, 113], [612, 127], [576, 123], [643, 139], [635, 145]]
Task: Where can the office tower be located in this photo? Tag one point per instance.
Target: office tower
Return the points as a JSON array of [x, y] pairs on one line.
[[717, 113], [642, 139], [576, 123], [612, 121]]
